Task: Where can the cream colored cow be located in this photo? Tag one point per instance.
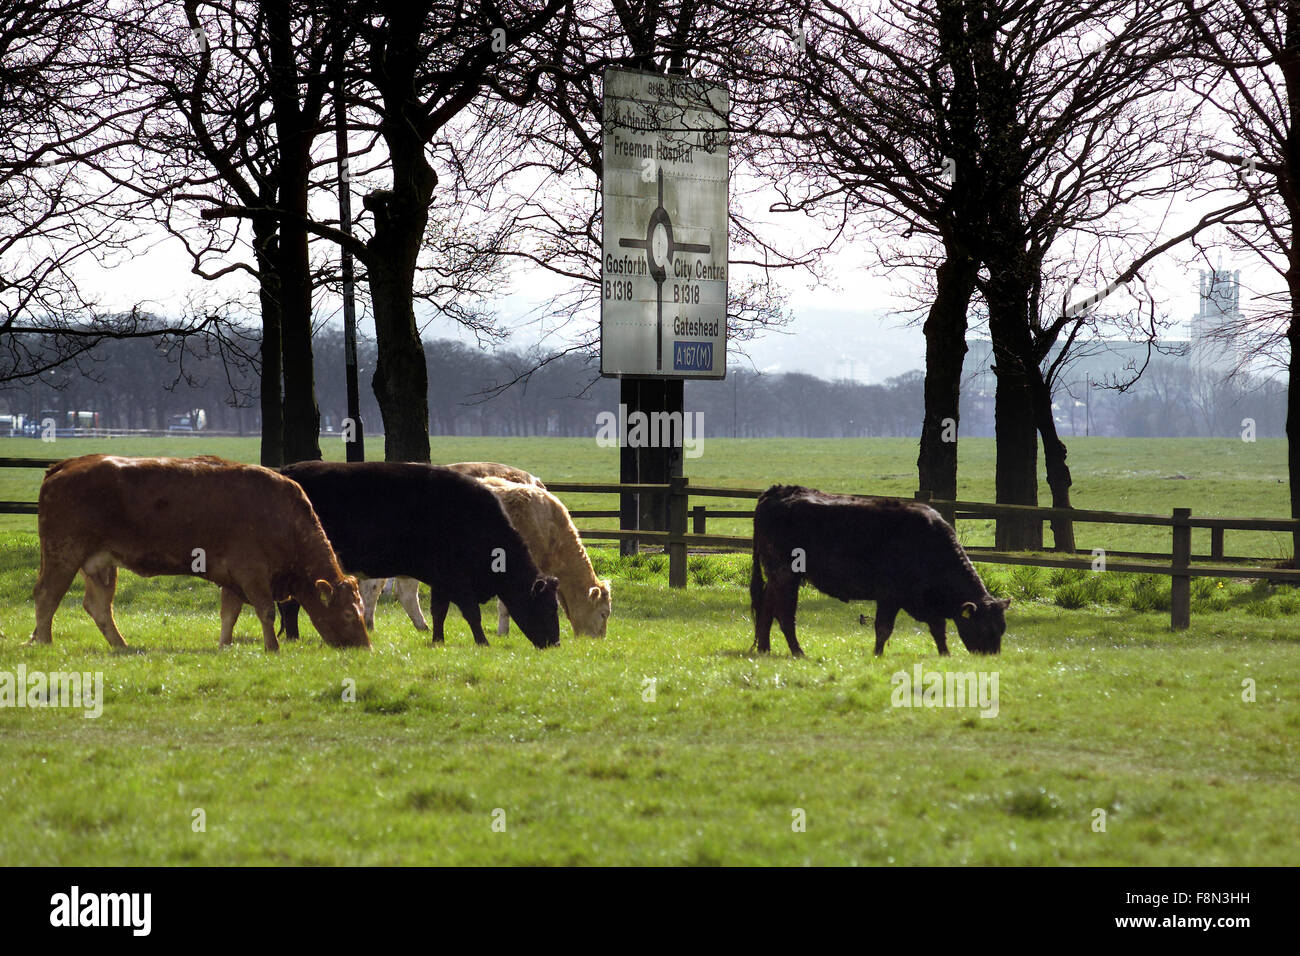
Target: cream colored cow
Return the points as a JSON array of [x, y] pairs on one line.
[[544, 524]]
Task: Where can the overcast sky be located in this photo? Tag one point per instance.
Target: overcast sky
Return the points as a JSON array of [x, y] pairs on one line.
[[857, 327]]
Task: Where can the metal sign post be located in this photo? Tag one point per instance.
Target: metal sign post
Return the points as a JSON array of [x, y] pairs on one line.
[[663, 314]]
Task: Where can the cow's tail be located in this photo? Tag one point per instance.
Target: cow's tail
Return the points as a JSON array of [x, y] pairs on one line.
[[755, 580]]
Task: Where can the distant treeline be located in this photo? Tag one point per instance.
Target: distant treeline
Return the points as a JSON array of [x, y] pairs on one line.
[[138, 384]]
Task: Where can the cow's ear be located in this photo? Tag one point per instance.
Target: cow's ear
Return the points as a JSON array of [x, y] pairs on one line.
[[594, 593], [324, 592], [968, 610], [543, 584], [1006, 603]]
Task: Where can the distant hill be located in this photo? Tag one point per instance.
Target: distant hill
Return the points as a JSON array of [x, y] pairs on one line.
[[867, 345]]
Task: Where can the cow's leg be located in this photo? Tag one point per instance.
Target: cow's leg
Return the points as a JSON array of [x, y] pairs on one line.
[[503, 619], [885, 615], [257, 592], [52, 583], [101, 584], [787, 601], [266, 614], [232, 602], [408, 593], [763, 620], [473, 616], [371, 588], [438, 606], [288, 620], [939, 630]]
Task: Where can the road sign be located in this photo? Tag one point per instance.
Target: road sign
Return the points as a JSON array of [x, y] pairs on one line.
[[663, 305]]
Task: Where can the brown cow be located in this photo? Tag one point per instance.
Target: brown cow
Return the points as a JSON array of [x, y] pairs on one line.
[[244, 527]]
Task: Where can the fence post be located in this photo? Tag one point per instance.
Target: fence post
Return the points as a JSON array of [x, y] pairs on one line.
[[678, 499], [1216, 542], [698, 519], [1180, 589], [946, 512]]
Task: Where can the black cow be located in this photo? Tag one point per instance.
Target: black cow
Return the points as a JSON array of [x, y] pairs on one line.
[[900, 554], [391, 519]]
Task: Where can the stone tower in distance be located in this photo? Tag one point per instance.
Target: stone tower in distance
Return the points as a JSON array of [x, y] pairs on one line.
[[1220, 305]]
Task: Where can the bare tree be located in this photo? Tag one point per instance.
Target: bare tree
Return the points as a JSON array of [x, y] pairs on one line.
[[238, 98], [1084, 125], [63, 92], [871, 113], [1251, 51]]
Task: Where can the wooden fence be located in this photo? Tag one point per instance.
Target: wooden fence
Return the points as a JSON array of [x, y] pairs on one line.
[[1180, 565]]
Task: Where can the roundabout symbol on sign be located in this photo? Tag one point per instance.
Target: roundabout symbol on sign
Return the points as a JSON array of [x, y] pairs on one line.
[[659, 248]]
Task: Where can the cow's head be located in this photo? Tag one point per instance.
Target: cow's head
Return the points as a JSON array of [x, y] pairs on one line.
[[591, 615], [537, 611], [981, 625], [336, 610]]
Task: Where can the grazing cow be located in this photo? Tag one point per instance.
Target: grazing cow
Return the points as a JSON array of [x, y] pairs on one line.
[[552, 540], [405, 589], [902, 555], [242, 526], [391, 519], [492, 469]]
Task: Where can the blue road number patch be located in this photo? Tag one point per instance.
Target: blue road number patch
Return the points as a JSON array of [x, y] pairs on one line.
[[692, 356]]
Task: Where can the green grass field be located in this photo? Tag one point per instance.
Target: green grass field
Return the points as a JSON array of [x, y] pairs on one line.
[[668, 742]]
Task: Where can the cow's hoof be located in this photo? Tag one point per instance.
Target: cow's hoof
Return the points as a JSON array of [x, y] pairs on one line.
[[422, 627], [35, 641]]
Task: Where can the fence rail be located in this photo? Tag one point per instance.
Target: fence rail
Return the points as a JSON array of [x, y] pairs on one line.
[[1179, 565]]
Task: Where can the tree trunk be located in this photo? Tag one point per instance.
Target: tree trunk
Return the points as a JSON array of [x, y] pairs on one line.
[[1293, 410], [301, 413], [401, 380], [1014, 416], [294, 136], [272, 408], [1017, 461], [945, 351], [1054, 454]]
